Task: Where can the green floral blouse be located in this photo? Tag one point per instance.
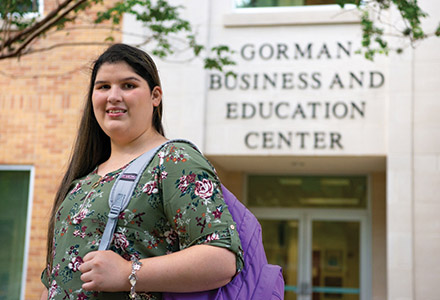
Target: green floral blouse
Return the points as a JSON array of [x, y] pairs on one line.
[[177, 203]]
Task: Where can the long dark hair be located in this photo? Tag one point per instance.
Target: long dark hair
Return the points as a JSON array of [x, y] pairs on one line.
[[92, 145]]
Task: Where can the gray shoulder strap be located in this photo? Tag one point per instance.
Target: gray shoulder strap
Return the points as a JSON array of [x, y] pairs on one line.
[[123, 188], [121, 192]]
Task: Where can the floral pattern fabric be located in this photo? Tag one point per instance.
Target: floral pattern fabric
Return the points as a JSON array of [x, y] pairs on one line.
[[177, 203]]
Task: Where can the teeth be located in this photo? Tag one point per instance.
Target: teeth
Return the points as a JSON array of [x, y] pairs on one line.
[[116, 111]]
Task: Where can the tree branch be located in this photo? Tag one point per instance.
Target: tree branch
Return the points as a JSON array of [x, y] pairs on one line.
[[41, 29], [37, 25], [43, 75], [31, 51]]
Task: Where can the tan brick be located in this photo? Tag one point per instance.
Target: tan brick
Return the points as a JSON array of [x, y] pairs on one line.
[[41, 100]]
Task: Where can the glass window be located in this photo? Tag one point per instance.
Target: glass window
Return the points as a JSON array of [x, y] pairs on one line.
[[273, 3], [22, 6], [14, 194], [307, 191]]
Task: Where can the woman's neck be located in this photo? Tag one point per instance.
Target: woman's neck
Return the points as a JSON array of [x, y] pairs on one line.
[[123, 153]]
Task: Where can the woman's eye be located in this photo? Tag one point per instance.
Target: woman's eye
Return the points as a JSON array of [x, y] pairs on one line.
[[129, 86], [103, 87]]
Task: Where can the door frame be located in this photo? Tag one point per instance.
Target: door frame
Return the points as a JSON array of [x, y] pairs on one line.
[[31, 170], [305, 217]]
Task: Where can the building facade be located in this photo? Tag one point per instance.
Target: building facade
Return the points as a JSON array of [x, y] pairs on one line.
[[338, 156]]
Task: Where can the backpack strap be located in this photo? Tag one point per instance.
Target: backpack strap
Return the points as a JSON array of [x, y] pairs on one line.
[[121, 193], [123, 188]]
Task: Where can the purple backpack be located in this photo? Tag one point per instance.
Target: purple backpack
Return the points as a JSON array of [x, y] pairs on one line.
[[257, 281]]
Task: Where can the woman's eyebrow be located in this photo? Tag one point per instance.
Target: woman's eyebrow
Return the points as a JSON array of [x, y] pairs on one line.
[[121, 80], [130, 78]]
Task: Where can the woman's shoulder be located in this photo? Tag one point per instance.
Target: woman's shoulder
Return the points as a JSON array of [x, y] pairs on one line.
[[180, 150], [182, 143], [176, 152]]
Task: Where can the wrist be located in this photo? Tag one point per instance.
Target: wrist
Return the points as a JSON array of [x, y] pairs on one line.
[[133, 277], [125, 281]]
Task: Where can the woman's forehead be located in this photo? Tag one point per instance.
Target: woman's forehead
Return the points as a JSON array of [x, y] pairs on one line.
[[120, 66], [116, 70]]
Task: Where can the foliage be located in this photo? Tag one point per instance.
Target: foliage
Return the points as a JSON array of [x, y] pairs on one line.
[[164, 26], [375, 38], [162, 20]]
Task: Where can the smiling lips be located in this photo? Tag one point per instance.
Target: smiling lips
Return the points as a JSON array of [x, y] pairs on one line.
[[116, 112]]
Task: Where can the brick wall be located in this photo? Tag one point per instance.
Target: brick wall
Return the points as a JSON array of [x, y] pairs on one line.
[[41, 98]]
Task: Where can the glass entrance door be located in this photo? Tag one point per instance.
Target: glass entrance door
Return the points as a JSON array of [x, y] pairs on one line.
[[280, 238], [317, 229], [321, 259], [335, 260]]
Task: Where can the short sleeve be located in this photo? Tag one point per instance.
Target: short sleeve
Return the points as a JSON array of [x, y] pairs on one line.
[[45, 279], [193, 200]]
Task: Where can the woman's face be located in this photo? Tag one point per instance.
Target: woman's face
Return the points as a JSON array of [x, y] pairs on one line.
[[123, 103]]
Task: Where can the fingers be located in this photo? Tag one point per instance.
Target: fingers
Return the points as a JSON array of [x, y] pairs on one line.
[[90, 256], [89, 277], [84, 267], [98, 271], [90, 286], [89, 260], [91, 270]]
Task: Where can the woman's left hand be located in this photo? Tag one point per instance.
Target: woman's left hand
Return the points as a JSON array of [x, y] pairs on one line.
[[105, 271]]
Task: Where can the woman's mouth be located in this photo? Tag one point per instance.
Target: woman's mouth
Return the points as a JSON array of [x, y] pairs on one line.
[[116, 112]]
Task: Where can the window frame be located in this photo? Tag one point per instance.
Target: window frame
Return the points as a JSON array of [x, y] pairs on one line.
[[40, 11], [308, 215], [33, 14], [31, 170], [291, 15], [235, 8], [306, 179]]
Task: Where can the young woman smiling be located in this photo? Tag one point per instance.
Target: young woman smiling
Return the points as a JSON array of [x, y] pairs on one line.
[[176, 228]]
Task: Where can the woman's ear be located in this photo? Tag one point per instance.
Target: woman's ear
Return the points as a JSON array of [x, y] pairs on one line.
[[156, 95]]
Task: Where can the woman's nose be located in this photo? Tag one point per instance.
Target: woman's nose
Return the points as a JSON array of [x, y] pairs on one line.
[[114, 95]]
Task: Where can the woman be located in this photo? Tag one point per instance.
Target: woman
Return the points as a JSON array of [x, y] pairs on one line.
[[176, 227]]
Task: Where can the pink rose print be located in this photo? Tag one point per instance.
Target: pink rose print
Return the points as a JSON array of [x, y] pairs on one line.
[[212, 237], [75, 263], [161, 157], [171, 236], [204, 189], [164, 175], [217, 213], [53, 289], [183, 183], [76, 188], [56, 269], [80, 216], [185, 180], [81, 233], [150, 188], [121, 241], [192, 177], [82, 296]]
